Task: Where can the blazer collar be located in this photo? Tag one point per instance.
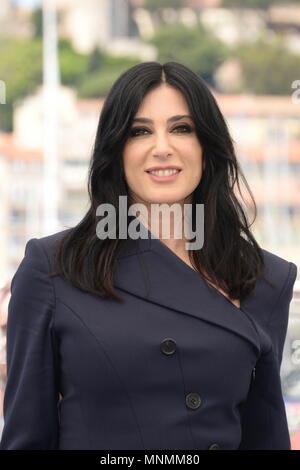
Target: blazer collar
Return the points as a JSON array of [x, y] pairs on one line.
[[148, 269]]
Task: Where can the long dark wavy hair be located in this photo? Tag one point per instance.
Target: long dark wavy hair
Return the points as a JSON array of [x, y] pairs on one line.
[[232, 260]]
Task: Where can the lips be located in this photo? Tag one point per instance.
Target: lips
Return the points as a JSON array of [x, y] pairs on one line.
[[162, 179], [153, 168]]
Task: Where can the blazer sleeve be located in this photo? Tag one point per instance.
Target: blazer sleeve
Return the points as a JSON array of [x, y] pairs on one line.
[[30, 406], [263, 415]]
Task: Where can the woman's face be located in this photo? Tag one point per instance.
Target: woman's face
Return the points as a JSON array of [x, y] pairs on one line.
[[162, 143]]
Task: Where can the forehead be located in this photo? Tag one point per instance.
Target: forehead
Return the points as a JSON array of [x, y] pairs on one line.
[[163, 101]]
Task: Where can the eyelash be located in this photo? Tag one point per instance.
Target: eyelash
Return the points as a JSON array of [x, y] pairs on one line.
[[133, 134]]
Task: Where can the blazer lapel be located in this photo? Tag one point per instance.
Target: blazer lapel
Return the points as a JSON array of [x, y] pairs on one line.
[[148, 269]]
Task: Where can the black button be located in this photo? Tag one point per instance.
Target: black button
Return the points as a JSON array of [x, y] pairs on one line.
[[193, 400], [214, 447], [168, 346]]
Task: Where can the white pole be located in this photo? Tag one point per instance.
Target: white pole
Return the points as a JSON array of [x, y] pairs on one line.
[[50, 187]]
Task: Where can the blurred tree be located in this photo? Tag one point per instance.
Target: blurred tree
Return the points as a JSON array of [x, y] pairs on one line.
[[98, 84], [6, 116], [268, 68], [96, 60], [156, 4], [72, 64], [21, 70], [37, 22], [194, 47]]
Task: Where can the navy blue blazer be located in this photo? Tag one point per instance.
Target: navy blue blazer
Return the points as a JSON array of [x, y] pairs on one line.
[[177, 366]]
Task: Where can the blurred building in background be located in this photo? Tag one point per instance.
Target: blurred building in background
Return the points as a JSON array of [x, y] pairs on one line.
[[108, 24], [94, 22], [13, 20]]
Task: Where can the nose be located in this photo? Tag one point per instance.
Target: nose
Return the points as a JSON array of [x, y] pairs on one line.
[[162, 147]]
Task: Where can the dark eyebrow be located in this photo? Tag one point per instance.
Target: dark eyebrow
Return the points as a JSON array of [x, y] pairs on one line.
[[171, 119]]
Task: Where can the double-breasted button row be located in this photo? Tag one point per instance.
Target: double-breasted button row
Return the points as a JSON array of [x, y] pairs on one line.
[[168, 346], [193, 399]]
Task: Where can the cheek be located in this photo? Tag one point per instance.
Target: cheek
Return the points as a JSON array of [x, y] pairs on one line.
[[131, 161], [133, 153], [195, 163], [127, 156], [194, 172]]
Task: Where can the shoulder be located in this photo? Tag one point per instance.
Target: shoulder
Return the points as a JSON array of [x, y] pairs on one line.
[[31, 284], [280, 271], [41, 250], [276, 286], [50, 241], [31, 281]]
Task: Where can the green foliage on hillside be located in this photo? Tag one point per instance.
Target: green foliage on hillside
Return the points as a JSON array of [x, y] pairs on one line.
[[268, 68], [156, 4], [194, 47], [22, 71]]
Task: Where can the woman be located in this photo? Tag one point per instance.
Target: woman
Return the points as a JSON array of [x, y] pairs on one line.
[[139, 342]]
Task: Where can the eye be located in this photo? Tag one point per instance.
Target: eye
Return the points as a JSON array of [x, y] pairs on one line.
[[136, 131], [188, 128]]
